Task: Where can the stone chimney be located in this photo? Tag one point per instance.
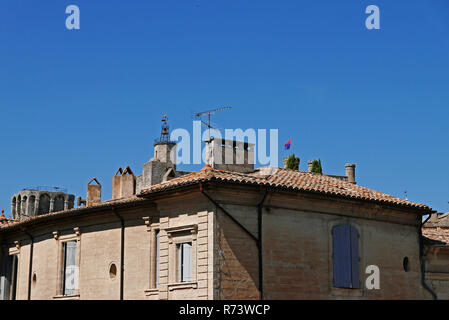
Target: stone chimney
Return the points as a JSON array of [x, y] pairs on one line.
[[123, 184], [230, 155], [309, 166], [350, 172], [93, 193], [284, 162]]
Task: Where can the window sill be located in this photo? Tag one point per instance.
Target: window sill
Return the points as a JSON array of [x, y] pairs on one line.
[[346, 292], [68, 297], [183, 285], [152, 292]]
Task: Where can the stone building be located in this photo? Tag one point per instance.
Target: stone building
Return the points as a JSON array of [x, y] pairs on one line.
[[436, 254], [239, 233]]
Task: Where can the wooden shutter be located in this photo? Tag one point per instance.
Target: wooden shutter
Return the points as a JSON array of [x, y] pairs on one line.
[[341, 256], [187, 255], [5, 277], [185, 262], [355, 269], [69, 267]]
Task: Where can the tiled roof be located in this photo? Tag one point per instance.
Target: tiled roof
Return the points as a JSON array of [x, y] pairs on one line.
[[437, 234], [286, 179], [266, 176], [106, 204]]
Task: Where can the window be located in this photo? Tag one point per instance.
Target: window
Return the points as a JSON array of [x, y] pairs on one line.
[[69, 274], [185, 262], [345, 241], [8, 277]]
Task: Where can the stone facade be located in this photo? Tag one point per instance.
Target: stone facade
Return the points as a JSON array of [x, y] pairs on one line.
[[296, 248]]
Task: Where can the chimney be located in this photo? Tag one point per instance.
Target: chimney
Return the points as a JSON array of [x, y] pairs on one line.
[[350, 172], [230, 155], [116, 184], [309, 166], [123, 184], [93, 193], [284, 162]]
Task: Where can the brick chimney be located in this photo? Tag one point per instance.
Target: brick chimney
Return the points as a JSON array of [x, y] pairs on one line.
[[93, 193], [350, 172]]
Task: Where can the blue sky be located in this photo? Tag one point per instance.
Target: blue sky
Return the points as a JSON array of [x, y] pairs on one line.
[[79, 104]]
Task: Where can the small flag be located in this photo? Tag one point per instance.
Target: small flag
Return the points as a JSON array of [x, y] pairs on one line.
[[287, 145]]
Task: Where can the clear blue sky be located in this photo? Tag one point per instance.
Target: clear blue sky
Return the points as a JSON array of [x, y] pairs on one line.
[[79, 104]]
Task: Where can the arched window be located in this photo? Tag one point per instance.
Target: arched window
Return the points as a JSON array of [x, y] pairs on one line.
[[59, 204], [13, 207], [345, 245], [44, 204], [31, 208]]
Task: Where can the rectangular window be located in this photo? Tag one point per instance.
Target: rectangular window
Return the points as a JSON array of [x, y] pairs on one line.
[[69, 272], [345, 239], [185, 262], [8, 277]]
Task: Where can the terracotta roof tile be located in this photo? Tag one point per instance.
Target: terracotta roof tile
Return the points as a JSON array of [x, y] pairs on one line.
[[286, 179], [438, 234], [105, 204]]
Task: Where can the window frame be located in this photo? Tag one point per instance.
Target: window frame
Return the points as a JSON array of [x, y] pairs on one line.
[[61, 241], [176, 236], [180, 263]]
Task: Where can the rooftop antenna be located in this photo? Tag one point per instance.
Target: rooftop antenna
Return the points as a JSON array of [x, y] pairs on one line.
[[209, 113]]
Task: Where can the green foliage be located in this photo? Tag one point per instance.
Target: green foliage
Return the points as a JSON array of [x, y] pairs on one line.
[[316, 166], [293, 162]]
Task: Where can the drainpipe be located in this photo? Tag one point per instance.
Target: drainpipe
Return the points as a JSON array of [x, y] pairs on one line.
[[422, 258], [122, 249], [259, 241], [30, 269]]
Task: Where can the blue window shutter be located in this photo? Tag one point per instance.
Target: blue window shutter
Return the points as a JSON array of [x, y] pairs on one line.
[[355, 272], [341, 242]]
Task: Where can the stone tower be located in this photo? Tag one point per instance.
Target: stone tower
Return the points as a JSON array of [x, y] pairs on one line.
[[163, 162], [32, 202]]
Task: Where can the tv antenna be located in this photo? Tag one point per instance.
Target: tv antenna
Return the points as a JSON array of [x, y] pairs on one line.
[[209, 113]]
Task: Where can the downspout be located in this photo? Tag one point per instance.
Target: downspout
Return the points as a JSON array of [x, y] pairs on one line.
[[422, 258], [122, 249], [259, 241], [30, 264]]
